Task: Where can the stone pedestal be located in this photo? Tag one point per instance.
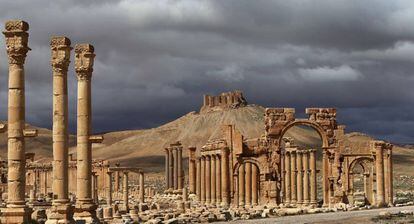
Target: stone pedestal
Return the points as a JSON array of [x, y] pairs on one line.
[[16, 215]]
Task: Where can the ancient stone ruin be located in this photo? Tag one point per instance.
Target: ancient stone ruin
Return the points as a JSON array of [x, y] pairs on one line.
[[230, 177], [229, 100]]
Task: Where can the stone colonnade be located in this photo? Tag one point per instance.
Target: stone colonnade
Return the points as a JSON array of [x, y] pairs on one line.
[[174, 172], [212, 184], [299, 182], [247, 183]]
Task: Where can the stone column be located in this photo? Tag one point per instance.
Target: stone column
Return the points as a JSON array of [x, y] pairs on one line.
[[141, 187], [208, 179], [313, 189], [171, 168], [213, 179], [16, 45], [85, 208], [288, 195], [203, 179], [198, 179], [241, 180], [218, 180], [299, 177], [379, 165], [95, 187], [192, 169], [125, 195], [305, 162], [390, 176], [325, 175], [45, 183], [167, 169], [61, 210], [386, 179], [175, 183], [225, 182], [255, 181], [248, 183], [293, 177], [116, 179], [109, 189], [180, 168]]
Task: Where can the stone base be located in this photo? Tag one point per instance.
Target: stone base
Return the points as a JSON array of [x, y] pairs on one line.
[[60, 214], [15, 215], [86, 214], [107, 214]]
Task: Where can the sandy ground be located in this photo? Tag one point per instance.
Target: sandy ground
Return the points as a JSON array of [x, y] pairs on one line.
[[353, 217]]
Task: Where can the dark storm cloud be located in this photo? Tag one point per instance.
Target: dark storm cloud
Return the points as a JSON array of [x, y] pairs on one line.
[[155, 59]]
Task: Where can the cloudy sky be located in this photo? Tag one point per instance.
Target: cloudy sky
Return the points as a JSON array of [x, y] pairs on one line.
[[155, 59]]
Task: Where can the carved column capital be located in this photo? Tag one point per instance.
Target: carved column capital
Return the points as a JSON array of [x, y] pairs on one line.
[[84, 59], [60, 47], [16, 41]]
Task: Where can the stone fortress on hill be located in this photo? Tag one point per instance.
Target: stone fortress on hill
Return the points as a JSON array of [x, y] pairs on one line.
[[229, 178]]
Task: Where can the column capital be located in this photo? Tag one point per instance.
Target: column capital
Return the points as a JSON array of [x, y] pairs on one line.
[[61, 48], [17, 40], [84, 59]]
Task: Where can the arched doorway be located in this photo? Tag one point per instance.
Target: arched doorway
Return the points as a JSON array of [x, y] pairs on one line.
[[303, 159], [247, 187], [361, 182]]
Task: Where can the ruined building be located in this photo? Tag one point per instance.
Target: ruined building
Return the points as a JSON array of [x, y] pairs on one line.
[[236, 171], [223, 101]]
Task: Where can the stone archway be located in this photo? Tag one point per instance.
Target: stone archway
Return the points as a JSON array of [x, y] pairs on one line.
[[367, 176], [246, 174]]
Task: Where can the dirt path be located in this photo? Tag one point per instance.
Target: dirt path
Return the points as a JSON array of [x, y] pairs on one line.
[[351, 217]]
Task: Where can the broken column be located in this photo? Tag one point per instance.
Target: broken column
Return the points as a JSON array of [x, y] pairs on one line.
[[85, 209], [16, 44], [192, 169], [141, 188], [61, 210]]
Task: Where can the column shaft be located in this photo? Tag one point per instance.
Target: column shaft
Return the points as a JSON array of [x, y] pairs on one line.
[[141, 187], [225, 182], [293, 177], [248, 183], [255, 181], [192, 170], [180, 170], [288, 195], [125, 195], [241, 180], [175, 151], [167, 169], [299, 177], [313, 189], [218, 179], [325, 181], [198, 180], [109, 189], [203, 179], [171, 168], [379, 162], [305, 157], [208, 179], [213, 179]]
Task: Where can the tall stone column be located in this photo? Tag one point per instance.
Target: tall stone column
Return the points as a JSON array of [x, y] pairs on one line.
[[85, 208], [293, 177], [141, 187], [255, 181], [171, 168], [225, 182], [208, 179], [167, 169], [386, 179], [109, 188], [198, 179], [313, 189], [248, 182], [95, 187], [203, 179], [192, 169], [218, 180], [180, 168], [16, 45], [45, 183], [305, 162], [288, 195], [175, 152], [62, 210], [390, 176], [242, 189], [325, 174], [379, 165], [213, 179], [299, 177], [125, 191]]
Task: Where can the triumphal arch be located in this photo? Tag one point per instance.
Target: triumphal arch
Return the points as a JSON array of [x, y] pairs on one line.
[[272, 169]]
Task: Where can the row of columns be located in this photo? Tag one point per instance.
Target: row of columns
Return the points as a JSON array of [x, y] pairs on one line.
[[383, 167], [299, 169], [247, 185], [174, 173], [212, 180]]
